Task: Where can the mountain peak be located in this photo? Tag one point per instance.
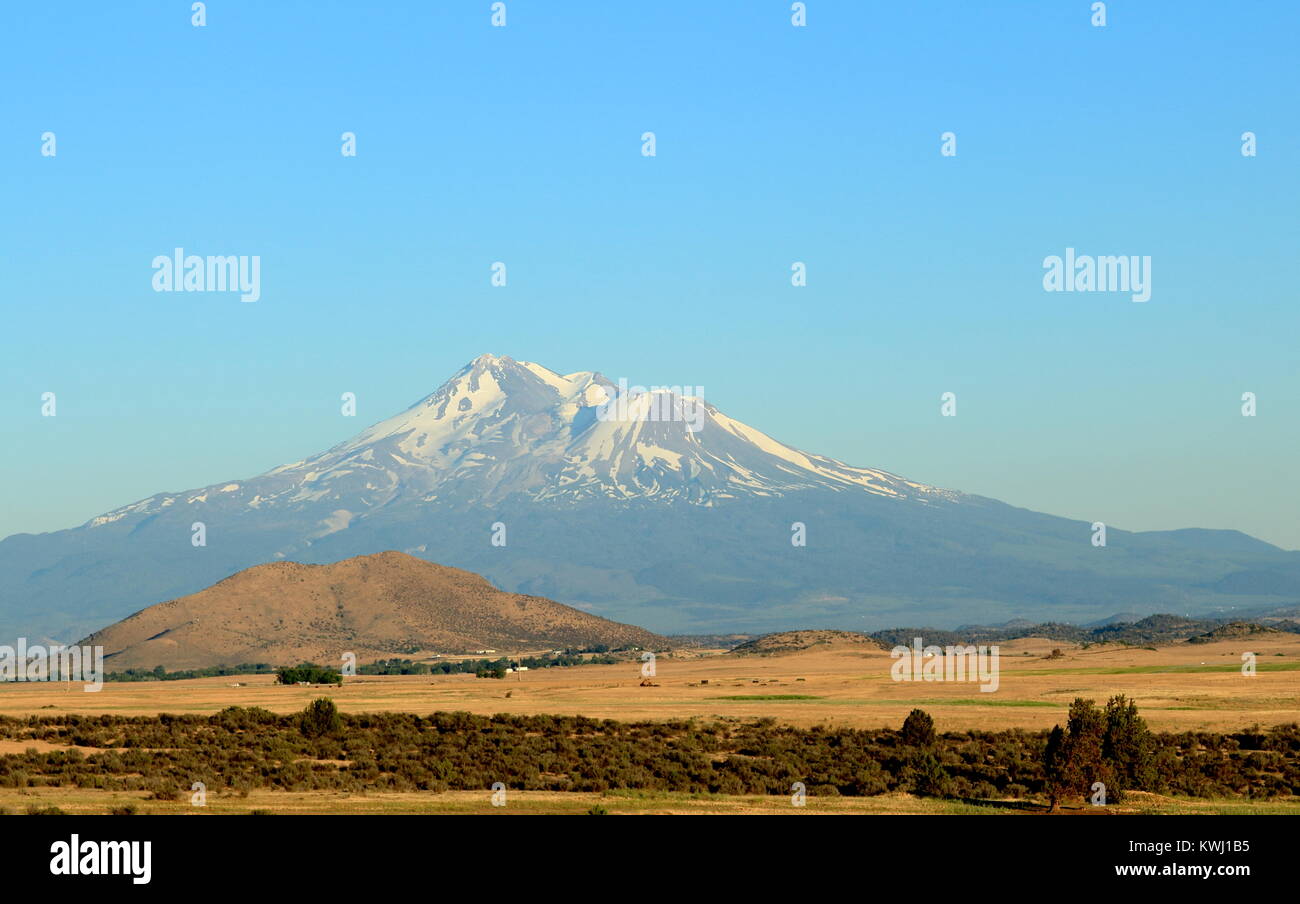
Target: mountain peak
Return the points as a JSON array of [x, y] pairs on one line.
[[501, 428], [663, 506]]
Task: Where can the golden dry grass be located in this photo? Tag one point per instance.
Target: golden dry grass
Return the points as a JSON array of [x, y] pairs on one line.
[[1181, 687]]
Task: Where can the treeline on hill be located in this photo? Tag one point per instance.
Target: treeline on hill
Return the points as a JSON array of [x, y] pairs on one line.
[[240, 749], [1150, 630]]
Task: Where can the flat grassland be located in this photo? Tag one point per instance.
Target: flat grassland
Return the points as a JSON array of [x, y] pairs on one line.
[[1184, 687]]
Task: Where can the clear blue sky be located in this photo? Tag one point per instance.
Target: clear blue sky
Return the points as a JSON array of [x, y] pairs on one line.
[[775, 144]]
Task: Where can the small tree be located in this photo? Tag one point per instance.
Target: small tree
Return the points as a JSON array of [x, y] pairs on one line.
[[1084, 762], [918, 729], [321, 717], [1127, 746], [1073, 759]]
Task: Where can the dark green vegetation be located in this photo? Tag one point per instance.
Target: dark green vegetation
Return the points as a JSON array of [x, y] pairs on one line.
[[1107, 752], [593, 656], [241, 749], [475, 666], [320, 719], [918, 729], [308, 673], [158, 673]]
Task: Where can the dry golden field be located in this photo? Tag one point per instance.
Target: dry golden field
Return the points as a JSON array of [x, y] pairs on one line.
[[1179, 687]]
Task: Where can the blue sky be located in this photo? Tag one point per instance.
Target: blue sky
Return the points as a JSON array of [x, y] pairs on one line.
[[774, 144]]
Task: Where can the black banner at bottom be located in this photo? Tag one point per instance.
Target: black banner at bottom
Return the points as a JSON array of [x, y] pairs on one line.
[[316, 853]]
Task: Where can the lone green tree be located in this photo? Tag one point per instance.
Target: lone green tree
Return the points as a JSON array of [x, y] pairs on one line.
[[1086, 725], [918, 729], [923, 771], [1075, 759], [321, 717], [1128, 747]]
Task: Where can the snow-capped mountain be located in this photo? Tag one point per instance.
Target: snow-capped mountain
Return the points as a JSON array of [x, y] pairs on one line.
[[501, 427], [646, 506]]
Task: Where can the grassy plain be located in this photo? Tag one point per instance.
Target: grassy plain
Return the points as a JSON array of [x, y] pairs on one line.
[[1182, 687]]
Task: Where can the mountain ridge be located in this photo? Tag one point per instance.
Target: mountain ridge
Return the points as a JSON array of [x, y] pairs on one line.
[[645, 504], [507, 427]]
